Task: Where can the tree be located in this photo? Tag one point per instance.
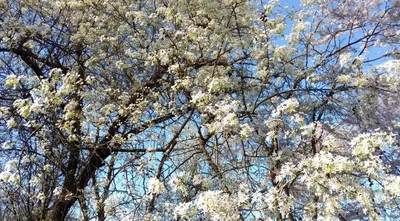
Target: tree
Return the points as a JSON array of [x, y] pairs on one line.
[[199, 110]]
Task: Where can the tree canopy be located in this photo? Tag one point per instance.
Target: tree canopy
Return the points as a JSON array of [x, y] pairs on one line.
[[199, 110]]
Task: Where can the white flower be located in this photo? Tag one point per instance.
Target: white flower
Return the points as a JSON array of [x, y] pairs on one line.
[[12, 81], [55, 72], [57, 191], [34, 181], [156, 186], [11, 165], [241, 198], [345, 59], [9, 175], [11, 123], [218, 205], [197, 179], [368, 142], [184, 210], [7, 145], [3, 111], [301, 26], [343, 79], [246, 131], [198, 97], [230, 121], [41, 197], [178, 182], [35, 107], [5, 175], [111, 204], [184, 83], [288, 106], [392, 185], [26, 159], [128, 217], [47, 168], [219, 84], [120, 65]]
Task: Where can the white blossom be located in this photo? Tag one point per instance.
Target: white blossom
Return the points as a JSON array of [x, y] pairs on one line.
[[288, 106], [155, 186], [218, 205], [7, 145]]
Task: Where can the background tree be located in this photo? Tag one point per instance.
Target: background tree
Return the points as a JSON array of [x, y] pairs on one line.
[[189, 110]]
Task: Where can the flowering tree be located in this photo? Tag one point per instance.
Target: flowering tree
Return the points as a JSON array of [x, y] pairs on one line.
[[199, 110]]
